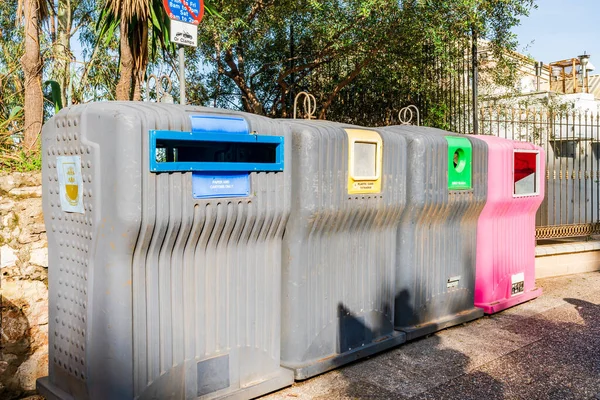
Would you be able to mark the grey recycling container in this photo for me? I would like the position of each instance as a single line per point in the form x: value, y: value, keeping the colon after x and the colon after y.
x: 348, y: 191
x: 437, y: 234
x: 165, y: 225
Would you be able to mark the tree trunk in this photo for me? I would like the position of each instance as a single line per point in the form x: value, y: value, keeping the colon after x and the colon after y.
x: 250, y: 101
x: 53, y: 28
x: 140, y: 66
x: 124, y: 87
x: 63, y: 49
x: 137, y: 88
x: 32, y: 71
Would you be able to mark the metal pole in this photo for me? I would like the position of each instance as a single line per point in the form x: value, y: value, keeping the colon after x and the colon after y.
x: 181, y: 75
x: 292, y: 55
x: 538, y: 72
x: 475, y: 78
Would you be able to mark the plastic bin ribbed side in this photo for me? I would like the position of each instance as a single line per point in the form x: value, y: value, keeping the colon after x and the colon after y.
x: 339, y: 252
x: 506, y: 229
x: 435, y: 268
x: 153, y: 293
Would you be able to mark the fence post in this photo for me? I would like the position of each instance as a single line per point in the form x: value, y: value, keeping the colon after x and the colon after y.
x: 475, y: 79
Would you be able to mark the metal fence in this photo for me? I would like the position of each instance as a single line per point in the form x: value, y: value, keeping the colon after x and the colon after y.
x: 444, y: 95
x: 572, y: 144
x: 446, y: 99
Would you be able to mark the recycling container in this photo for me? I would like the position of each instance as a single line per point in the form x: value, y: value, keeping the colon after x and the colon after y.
x: 165, y: 225
x: 435, y: 261
x: 348, y: 190
x: 505, y: 274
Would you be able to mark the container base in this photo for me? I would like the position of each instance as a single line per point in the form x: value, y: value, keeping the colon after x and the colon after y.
x: 49, y: 391
x: 337, y: 360
x: 416, y: 331
x: 280, y: 380
x: 491, y: 308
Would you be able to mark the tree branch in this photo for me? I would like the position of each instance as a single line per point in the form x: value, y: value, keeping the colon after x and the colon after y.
x: 349, y: 78
x: 257, y: 8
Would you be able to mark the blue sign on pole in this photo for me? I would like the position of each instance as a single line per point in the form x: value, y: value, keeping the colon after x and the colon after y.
x: 188, y: 11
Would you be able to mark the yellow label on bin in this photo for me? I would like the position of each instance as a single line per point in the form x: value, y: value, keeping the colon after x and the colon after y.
x: 71, y: 183
x: 365, y: 161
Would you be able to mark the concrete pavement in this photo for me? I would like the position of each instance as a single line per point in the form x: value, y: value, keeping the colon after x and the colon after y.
x: 548, y: 348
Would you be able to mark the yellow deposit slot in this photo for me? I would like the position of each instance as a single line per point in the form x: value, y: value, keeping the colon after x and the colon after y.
x: 365, y: 161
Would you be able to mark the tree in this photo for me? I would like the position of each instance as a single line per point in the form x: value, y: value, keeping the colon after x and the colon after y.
x: 135, y: 19
x: 251, y: 44
x: 11, y: 81
x: 67, y: 17
x: 132, y: 19
x: 33, y: 12
x: 362, y: 59
x: 100, y: 62
x: 265, y: 51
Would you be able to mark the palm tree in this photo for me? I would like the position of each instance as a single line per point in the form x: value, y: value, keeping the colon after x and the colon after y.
x: 132, y: 17
x: 135, y: 18
x: 32, y: 13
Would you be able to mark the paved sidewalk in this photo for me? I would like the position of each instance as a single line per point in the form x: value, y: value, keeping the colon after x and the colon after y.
x: 548, y: 348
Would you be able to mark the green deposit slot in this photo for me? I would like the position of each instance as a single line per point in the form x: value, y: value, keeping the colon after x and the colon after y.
x: 460, y: 162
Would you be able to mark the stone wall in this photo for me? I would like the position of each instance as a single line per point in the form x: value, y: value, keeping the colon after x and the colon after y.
x: 24, y: 285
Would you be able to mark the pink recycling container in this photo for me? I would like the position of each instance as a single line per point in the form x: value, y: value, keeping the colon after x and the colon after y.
x: 505, y: 264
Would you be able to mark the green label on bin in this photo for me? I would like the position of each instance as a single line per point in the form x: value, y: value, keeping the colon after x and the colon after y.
x: 460, y: 160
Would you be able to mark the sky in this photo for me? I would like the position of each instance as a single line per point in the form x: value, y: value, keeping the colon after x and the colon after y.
x: 561, y: 29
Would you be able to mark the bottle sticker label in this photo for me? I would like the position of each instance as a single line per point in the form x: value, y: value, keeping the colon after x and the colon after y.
x: 71, y: 184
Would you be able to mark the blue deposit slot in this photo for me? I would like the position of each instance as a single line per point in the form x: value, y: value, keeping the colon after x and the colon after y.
x: 221, y: 153
x: 202, y: 151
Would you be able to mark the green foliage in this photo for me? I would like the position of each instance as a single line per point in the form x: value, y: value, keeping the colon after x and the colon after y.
x: 11, y: 50
x: 437, y: 116
x: 9, y: 130
x: 362, y: 59
x: 148, y: 25
x: 11, y: 83
x: 97, y: 76
x: 54, y: 96
x: 17, y: 160
x: 354, y: 56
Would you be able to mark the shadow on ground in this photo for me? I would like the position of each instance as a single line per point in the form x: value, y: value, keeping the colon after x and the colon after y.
x: 548, y: 348
x: 409, y: 370
x: 400, y: 373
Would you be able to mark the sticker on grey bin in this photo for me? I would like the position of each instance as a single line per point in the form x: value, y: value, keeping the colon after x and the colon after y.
x: 453, y: 281
x: 70, y: 183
